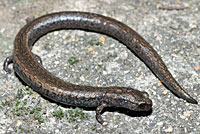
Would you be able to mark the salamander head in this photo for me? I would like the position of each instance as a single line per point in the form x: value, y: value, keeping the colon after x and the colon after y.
x: 131, y: 99
x: 137, y: 100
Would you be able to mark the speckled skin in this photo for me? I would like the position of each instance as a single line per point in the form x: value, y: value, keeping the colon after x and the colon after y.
x: 33, y: 74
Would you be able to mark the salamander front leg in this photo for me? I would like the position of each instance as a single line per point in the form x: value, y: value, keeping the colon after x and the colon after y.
x: 98, y: 114
x: 7, y: 61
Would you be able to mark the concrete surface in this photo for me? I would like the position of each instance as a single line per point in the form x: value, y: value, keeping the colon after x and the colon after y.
x: 175, y: 34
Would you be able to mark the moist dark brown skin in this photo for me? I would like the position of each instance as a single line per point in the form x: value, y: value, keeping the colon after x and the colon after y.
x: 33, y: 74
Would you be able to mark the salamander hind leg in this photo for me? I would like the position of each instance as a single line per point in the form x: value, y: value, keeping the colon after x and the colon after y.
x: 98, y: 114
x: 6, y: 63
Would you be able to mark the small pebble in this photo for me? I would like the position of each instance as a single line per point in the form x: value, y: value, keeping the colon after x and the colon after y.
x: 57, y: 131
x: 197, y: 68
x: 55, y: 33
x: 18, y: 123
x: 110, y: 66
x: 169, y: 129
x: 124, y: 55
x: 165, y: 91
x: 82, y: 78
x: 160, y: 123
x: 102, y: 40
x: 185, y: 114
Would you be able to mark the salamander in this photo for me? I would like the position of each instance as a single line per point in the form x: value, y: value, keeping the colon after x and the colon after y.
x: 26, y: 65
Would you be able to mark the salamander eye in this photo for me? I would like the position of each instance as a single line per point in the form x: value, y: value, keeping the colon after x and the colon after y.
x: 142, y: 105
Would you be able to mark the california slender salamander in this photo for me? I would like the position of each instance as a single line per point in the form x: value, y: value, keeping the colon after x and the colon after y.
x: 32, y: 73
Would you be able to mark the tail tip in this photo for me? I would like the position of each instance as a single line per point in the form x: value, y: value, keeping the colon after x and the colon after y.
x: 191, y: 100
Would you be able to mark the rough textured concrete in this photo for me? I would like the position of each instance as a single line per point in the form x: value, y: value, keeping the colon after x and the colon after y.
x: 175, y: 34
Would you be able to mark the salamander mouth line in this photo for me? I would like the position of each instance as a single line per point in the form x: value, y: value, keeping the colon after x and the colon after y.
x: 26, y: 64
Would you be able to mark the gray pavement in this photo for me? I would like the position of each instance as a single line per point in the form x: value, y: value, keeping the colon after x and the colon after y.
x: 175, y: 34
